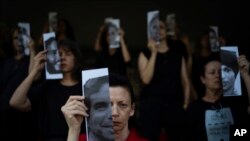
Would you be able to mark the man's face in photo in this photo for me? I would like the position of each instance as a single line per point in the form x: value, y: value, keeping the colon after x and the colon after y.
x: 100, y: 118
x: 53, y: 55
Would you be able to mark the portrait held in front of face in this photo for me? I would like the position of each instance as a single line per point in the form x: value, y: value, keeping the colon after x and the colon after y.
x: 53, y: 21
x: 153, y: 26
x: 230, y: 71
x: 113, y: 33
x: 52, y: 66
x: 214, y: 38
x: 170, y: 21
x: 24, y: 36
x: 99, y: 125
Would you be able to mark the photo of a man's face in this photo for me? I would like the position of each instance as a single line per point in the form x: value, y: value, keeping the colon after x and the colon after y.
x: 53, y: 61
x: 153, y: 26
x: 230, y: 72
x: 99, y: 123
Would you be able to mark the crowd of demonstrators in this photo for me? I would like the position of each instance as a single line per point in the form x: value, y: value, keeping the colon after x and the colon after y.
x: 180, y: 88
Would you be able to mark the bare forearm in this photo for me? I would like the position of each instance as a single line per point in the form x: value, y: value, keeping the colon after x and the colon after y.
x: 97, y: 46
x: 148, y: 72
x: 73, y: 134
x: 125, y: 52
x: 185, y: 83
x: 186, y: 87
x: 32, y: 55
x: 246, y: 79
x: 19, y: 99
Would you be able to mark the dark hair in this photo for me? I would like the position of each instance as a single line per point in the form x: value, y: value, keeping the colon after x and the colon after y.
x: 213, y: 57
x: 120, y: 80
x: 68, y: 29
x: 103, y: 39
x: 229, y: 59
x: 49, y: 41
x: 72, y: 46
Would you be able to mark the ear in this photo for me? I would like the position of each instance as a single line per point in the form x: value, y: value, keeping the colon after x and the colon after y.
x: 132, y: 111
x: 202, y: 79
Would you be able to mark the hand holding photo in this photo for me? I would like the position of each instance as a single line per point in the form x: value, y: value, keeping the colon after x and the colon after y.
x: 230, y: 71
x: 53, y: 64
x: 153, y: 26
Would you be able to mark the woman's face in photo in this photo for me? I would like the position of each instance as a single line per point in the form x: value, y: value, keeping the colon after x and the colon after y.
x: 112, y: 35
x: 228, y: 77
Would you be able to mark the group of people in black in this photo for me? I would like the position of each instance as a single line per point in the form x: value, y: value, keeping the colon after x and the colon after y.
x: 178, y: 93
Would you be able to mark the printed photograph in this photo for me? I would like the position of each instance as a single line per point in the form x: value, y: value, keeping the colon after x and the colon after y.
x: 53, y: 17
x: 52, y: 65
x: 214, y: 38
x: 153, y: 26
x: 230, y: 71
x: 171, y: 22
x: 113, y: 32
x: 99, y: 125
x: 24, y: 36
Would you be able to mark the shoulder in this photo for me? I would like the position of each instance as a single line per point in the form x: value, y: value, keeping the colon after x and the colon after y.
x: 197, y: 105
x: 146, y: 52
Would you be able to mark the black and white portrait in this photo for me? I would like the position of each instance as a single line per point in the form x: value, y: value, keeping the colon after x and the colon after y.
x: 153, y: 26
x: 99, y: 125
x: 113, y: 33
x: 230, y: 71
x: 53, y: 17
x: 24, y: 36
x: 171, y: 23
x: 53, y: 68
x: 214, y: 38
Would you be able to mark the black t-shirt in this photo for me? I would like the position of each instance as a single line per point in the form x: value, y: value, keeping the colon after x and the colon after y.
x: 196, y: 115
x: 48, y: 98
x: 22, y: 124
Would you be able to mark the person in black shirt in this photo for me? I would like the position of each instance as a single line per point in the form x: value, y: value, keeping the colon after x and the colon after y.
x: 47, y: 97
